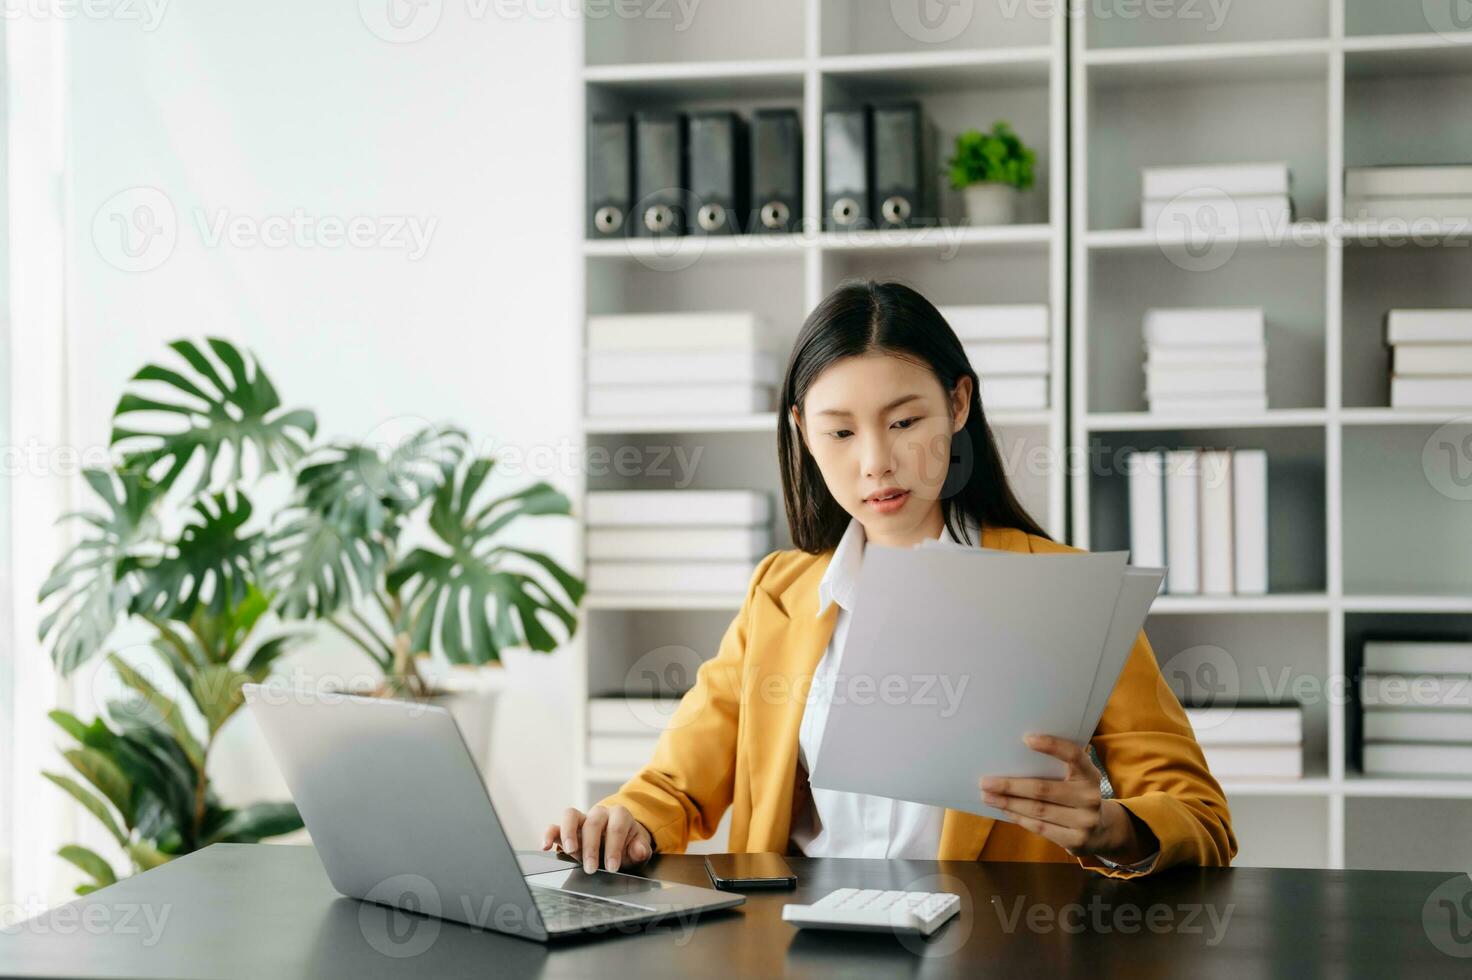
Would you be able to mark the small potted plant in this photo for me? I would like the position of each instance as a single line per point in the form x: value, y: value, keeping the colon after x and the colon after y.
x: 991, y: 169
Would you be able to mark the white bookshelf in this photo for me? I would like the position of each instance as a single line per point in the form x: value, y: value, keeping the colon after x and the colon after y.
x: 805, y: 55
x: 1361, y: 540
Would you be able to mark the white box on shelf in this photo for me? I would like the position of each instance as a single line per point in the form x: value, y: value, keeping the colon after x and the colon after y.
x: 645, y: 717
x: 1445, y: 326
x: 622, y: 367
x: 1014, y: 392
x: 1418, y: 657
x: 1408, y: 208
x: 1146, y: 471
x: 1217, y: 524
x: 1254, y: 761
x: 1420, y: 692
x: 1226, y: 178
x: 1244, y: 725
x: 1209, y: 404
x: 1171, y: 379
x: 1008, y: 357
x: 1410, y: 759
x: 1431, y: 359
x: 1204, y: 327
x: 1250, y: 521
x: 738, y: 330
x: 1395, y: 725
x: 653, y: 399
x: 1217, y: 213
x: 1420, y: 181
x: 1222, y: 355
x: 664, y: 508
x: 1182, y: 521
x: 1017, y: 321
x: 676, y: 543
x: 674, y: 577
x: 1431, y: 392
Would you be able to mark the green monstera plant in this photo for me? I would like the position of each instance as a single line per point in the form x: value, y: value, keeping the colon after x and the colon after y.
x: 344, y: 556
x: 399, y: 548
x: 211, y: 426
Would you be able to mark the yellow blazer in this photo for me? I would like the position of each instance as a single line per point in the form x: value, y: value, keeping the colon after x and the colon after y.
x: 732, y: 742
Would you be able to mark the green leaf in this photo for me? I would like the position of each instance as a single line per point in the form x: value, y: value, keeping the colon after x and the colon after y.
x: 90, y: 862
x: 216, y: 691
x: 104, y: 774
x: 217, y: 417
x: 214, y: 565
x: 456, y: 598
x: 258, y: 667
x: 93, y: 805
x: 145, y: 855
x: 250, y: 824
x: 93, y: 583
x: 997, y: 157
x: 165, y: 708
x: 69, y: 723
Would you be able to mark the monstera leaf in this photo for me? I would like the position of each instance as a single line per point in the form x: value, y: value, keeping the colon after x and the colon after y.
x: 218, y: 415
x: 93, y: 583
x: 213, y: 556
x: 332, y: 545
x: 458, y: 597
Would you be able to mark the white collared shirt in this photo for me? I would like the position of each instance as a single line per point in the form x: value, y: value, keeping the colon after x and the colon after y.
x: 856, y: 824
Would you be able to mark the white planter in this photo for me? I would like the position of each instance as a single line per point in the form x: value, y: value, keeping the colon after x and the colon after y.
x: 991, y: 204
x: 470, y: 695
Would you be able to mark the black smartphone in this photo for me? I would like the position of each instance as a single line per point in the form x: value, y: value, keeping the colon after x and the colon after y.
x: 733, y: 872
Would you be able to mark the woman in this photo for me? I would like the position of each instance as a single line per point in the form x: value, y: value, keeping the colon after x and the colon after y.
x: 886, y: 442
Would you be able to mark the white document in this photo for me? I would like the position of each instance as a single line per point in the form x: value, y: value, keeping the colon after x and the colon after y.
x: 952, y: 656
x: 1140, y: 587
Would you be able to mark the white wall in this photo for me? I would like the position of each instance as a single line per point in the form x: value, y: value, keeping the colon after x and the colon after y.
x: 256, y: 110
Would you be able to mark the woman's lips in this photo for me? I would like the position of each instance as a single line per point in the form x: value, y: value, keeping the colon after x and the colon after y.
x: 889, y: 505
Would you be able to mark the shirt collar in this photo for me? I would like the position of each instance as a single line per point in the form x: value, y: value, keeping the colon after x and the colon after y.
x: 841, y: 579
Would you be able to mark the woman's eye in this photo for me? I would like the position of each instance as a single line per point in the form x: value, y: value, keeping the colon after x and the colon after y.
x: 840, y: 433
x: 906, y: 423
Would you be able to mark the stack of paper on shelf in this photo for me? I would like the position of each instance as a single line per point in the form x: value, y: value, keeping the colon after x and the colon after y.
x: 1408, y: 193
x: 1416, y: 701
x: 658, y: 542
x: 1191, y: 201
x: 1203, y: 515
x: 680, y: 364
x: 622, y: 732
x: 1430, y: 358
x: 1008, y: 347
x: 1210, y: 361
x: 1247, y: 741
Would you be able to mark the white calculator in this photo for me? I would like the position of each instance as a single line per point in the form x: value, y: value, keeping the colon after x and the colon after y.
x: 875, y: 910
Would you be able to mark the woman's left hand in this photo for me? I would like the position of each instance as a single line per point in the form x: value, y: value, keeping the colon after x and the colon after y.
x: 1070, y: 812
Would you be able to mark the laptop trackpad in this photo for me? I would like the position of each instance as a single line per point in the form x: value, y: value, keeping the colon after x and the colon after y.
x: 599, y: 884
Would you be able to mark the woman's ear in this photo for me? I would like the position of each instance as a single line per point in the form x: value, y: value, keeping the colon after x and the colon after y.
x: 961, y: 403
x: 797, y: 424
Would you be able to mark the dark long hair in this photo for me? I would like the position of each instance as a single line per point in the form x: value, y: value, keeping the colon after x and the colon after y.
x: 866, y: 315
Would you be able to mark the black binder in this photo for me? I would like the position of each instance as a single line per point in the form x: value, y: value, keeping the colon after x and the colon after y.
x: 610, y: 176
x: 776, y: 170
x: 847, y: 169
x: 719, y: 179
x: 904, y: 187
x: 660, y: 174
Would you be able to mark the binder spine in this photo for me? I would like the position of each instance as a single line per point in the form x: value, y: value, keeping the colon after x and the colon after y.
x: 776, y: 171
x: 847, y: 169
x: 661, y: 178
x: 610, y: 176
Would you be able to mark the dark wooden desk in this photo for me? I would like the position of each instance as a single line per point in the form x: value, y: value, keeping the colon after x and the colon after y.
x: 251, y: 910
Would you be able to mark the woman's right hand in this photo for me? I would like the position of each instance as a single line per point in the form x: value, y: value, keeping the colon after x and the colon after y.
x: 612, y: 832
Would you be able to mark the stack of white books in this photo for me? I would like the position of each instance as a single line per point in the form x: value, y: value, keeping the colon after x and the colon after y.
x: 1247, y: 741
x: 659, y: 542
x: 680, y: 364
x: 1416, y: 701
x: 1201, y: 513
x: 622, y: 732
x: 1206, y: 360
x: 1240, y: 197
x: 1430, y: 358
x: 1008, y: 347
x: 1408, y: 193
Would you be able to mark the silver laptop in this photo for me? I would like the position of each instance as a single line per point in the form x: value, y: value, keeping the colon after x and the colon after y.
x: 400, y: 816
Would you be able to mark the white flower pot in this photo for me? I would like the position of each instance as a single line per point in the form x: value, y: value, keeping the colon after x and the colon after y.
x: 470, y: 694
x: 991, y: 204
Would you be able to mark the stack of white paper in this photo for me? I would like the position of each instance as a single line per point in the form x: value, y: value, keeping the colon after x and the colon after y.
x: 1416, y: 699
x: 1408, y: 193
x: 1431, y: 358
x: 680, y: 364
x: 676, y: 541
x: 1198, y: 200
x: 1245, y: 741
x: 970, y: 649
x: 1008, y: 347
x: 1203, y: 513
x: 1206, y: 361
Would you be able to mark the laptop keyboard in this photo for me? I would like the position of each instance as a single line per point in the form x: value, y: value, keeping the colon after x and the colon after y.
x: 562, y: 911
